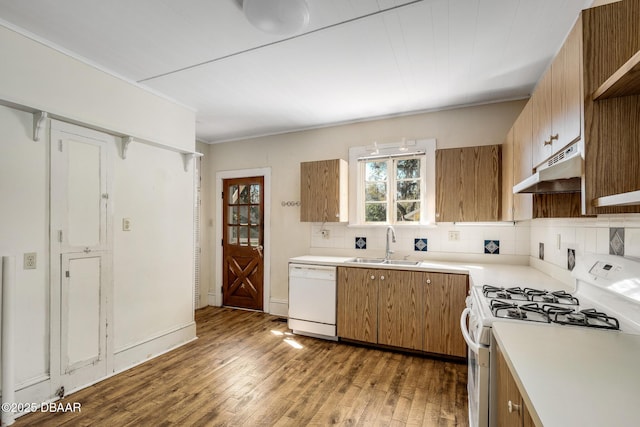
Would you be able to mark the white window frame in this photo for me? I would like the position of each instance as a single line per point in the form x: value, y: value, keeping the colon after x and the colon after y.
x: 398, y: 149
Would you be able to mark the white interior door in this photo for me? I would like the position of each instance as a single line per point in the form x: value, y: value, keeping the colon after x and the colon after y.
x: 80, y: 254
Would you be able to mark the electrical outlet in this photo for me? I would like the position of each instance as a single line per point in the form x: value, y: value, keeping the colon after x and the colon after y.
x: 30, y: 261
x: 325, y: 234
x: 454, y: 235
x: 126, y: 224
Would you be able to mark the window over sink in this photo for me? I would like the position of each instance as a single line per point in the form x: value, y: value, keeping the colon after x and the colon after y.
x: 394, y: 183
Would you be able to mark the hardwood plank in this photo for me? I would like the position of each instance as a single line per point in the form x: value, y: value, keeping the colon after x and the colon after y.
x: 240, y: 373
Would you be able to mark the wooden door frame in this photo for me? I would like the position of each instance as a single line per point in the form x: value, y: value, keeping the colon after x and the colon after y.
x: 243, y: 173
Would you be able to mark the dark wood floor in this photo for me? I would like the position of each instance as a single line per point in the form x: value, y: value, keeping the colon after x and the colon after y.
x: 241, y: 371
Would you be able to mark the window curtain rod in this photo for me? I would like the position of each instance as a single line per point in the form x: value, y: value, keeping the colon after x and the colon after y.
x: 391, y: 156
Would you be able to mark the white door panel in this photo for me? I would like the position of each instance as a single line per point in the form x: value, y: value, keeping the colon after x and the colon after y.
x: 83, y: 319
x: 80, y: 255
x: 84, y: 197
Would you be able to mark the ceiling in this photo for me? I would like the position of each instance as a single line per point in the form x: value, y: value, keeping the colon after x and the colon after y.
x: 357, y: 59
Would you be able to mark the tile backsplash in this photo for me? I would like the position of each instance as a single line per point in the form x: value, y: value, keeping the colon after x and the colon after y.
x: 559, y: 242
x: 500, y: 239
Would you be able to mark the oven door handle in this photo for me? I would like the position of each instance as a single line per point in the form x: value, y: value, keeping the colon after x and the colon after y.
x: 473, y: 346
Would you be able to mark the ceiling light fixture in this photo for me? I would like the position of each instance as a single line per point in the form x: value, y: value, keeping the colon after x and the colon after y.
x: 279, y: 17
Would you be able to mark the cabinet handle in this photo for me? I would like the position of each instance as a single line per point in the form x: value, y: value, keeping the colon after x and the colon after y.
x: 428, y: 281
x: 513, y: 407
x: 373, y: 277
x: 381, y: 277
x: 547, y: 142
x: 554, y: 137
x: 337, y: 215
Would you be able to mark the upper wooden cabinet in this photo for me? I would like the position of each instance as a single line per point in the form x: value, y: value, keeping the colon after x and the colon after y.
x: 468, y: 184
x: 323, y: 191
x: 557, y: 102
x: 522, y: 161
x: 612, y: 124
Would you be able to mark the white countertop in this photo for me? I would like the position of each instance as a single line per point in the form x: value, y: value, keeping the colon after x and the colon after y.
x: 479, y: 274
x: 571, y: 376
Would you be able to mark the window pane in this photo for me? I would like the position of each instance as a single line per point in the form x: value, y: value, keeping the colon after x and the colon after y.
x: 255, y: 236
x: 375, y: 212
x: 376, y: 171
x: 375, y: 192
x: 255, y: 215
x: 244, y: 215
x: 244, y: 194
x: 232, y: 235
x: 233, y: 215
x: 408, y: 190
x: 233, y: 194
x: 255, y: 194
x: 244, y: 236
x: 408, y: 211
x: 409, y: 168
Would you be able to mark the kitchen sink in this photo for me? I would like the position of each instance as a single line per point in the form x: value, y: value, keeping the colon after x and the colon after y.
x: 400, y: 262
x: 367, y: 260
x: 383, y: 261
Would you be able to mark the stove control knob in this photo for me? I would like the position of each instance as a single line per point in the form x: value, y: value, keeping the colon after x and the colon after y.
x: 513, y: 407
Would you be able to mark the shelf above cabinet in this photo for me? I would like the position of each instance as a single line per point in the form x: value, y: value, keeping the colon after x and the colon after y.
x: 625, y: 81
x: 624, y: 199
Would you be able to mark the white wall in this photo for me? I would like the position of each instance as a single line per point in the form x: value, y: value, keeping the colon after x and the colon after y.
x: 152, y: 263
x: 479, y: 125
x: 24, y: 218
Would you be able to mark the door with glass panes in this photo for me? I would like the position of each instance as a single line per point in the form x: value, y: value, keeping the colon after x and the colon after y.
x: 243, y: 261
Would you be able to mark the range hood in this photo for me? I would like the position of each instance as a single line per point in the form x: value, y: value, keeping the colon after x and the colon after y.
x: 561, y: 174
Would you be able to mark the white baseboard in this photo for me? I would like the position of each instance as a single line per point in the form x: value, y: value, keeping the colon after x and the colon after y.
x: 141, y: 352
x: 279, y: 307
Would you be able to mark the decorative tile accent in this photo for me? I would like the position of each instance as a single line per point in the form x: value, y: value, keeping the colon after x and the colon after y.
x: 616, y: 241
x: 571, y: 259
x: 541, y: 251
x: 361, y: 243
x: 492, y: 247
x: 420, y: 245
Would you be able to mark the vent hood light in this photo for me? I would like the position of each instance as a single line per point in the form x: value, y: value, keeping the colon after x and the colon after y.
x: 561, y: 174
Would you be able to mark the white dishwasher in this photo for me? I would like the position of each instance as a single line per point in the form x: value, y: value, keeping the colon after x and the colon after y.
x: 312, y: 300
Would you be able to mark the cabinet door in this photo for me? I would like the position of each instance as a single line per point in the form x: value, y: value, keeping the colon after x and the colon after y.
x: 323, y: 191
x: 569, y: 127
x: 508, y: 404
x: 522, y: 161
x: 444, y: 301
x: 358, y: 304
x: 468, y: 184
x: 541, y: 115
x: 400, y: 309
x: 507, y: 177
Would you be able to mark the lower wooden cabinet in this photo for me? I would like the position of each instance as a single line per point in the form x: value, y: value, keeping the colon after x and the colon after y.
x: 444, y: 300
x: 409, y: 309
x: 400, y: 302
x: 358, y: 304
x: 510, y: 408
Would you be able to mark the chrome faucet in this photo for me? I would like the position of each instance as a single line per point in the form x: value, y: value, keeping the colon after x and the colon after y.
x: 388, y: 251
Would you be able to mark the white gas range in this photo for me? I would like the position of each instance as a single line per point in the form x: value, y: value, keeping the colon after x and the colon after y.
x: 606, y: 296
